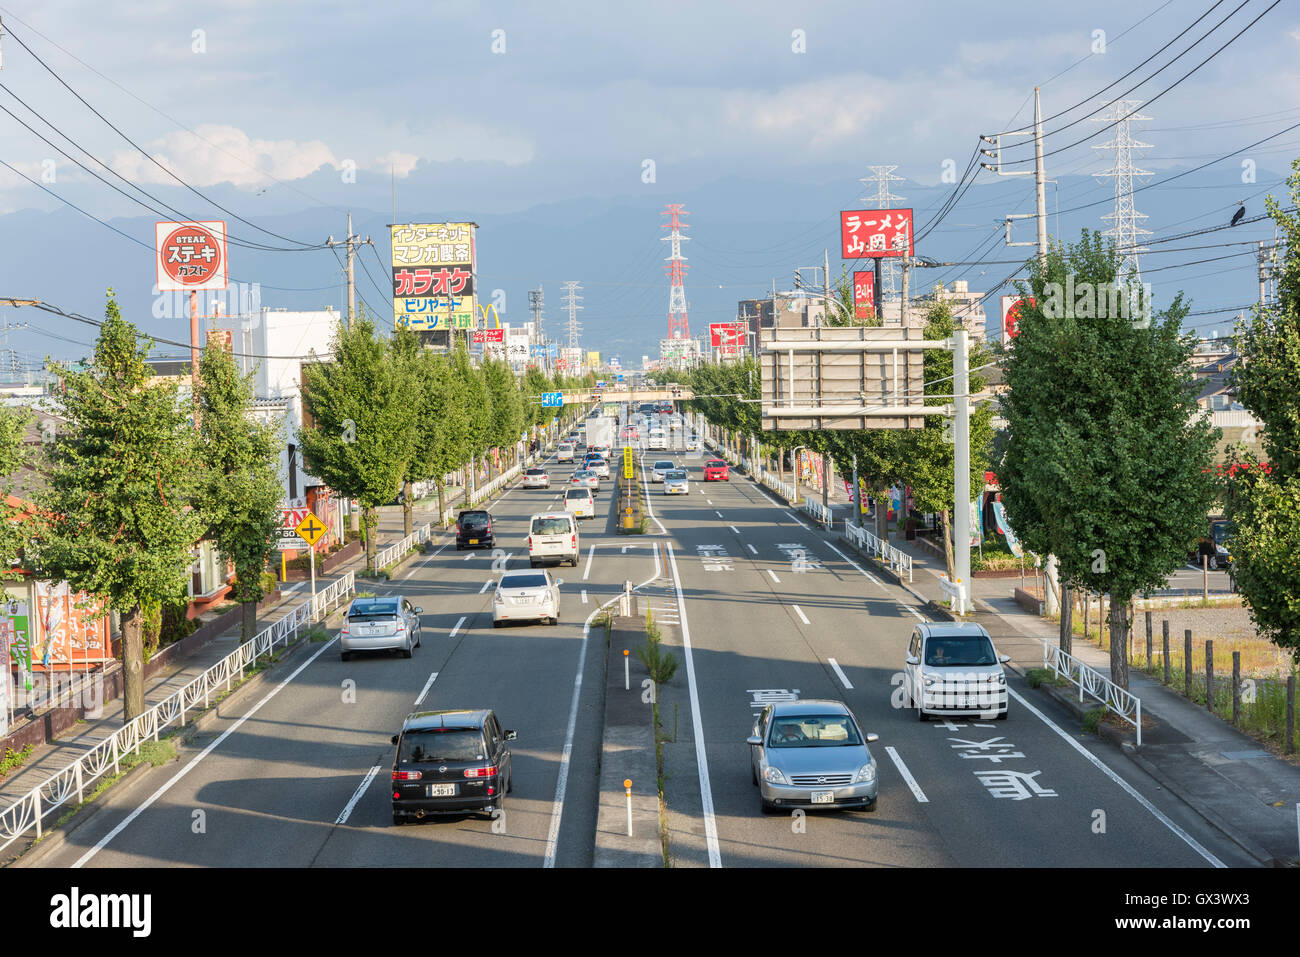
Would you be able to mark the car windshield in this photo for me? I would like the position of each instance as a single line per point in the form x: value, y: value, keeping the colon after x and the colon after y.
x: 534, y: 472
x: 474, y: 518
x: 813, y: 731
x: 675, y: 475
x: 665, y: 464
x: 1221, y: 532
x: 442, y: 744
x: 584, y: 474
x: 960, y: 650
x: 368, y: 609
x: 523, y: 581
x: 551, y: 526
x: 581, y: 493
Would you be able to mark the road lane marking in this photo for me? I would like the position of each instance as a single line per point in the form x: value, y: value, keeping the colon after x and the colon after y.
x: 734, y: 529
x: 1128, y: 788
x: 649, y: 505
x: 907, y: 776
x: 701, y: 757
x: 167, y: 785
x: 774, y: 578
x: 844, y: 679
x: 717, y: 513
x: 365, y: 783
x: 919, y: 616
x: 802, y: 617
x: 456, y: 628
x: 486, y: 585
x: 584, y: 596
x: 751, y: 548
x: 853, y: 563
x: 709, y: 501
x: 425, y: 690
x: 587, y: 570
x: 469, y: 556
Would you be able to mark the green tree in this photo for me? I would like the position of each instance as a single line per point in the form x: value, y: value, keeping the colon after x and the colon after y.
x: 241, y: 486
x: 1106, y: 463
x: 13, y: 456
x: 364, y: 422
x: 474, y: 403
x: 507, y: 407
x: 118, y: 521
x: 841, y: 310
x: 1264, y: 505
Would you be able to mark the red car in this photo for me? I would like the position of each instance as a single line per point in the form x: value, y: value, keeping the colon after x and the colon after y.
x: 716, y: 470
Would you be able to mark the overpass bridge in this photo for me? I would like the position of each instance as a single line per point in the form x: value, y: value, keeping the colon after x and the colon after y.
x: 627, y: 395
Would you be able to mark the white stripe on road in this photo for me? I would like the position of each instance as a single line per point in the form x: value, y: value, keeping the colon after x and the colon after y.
x: 774, y: 578
x: 920, y: 617
x: 486, y: 585
x: 149, y: 801
x: 907, y: 776
x: 584, y: 596
x: 701, y: 757
x: 469, y: 556
x: 649, y: 505
x: 1128, y: 788
x: 587, y: 570
x: 365, y: 783
x: 425, y: 690
x: 709, y: 501
x: 734, y: 529
x: 802, y: 617
x: 292, y: 588
x: 844, y: 679
x: 456, y: 628
x: 751, y: 548
x: 717, y: 513
x: 853, y: 563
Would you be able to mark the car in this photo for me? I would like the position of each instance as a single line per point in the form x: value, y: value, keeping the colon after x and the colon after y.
x: 811, y: 754
x: 630, y: 433
x: 552, y: 535
x: 526, y: 596
x: 586, y: 478
x: 474, y: 529
x: 692, y: 443
x: 952, y: 669
x: 451, y: 762
x: 661, y: 468
x: 565, y: 452
x: 657, y: 440
x: 597, y: 464
x: 675, y: 482
x: 675, y: 422
x: 580, y: 502
x: 380, y: 624
x: 536, y: 478
x: 717, y: 470
x: 1214, y: 546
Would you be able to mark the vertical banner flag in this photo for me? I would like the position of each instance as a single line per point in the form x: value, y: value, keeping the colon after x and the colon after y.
x: 17, y: 637
x: 976, y: 522
x: 434, y: 269
x: 864, y: 294
x: 1000, y: 518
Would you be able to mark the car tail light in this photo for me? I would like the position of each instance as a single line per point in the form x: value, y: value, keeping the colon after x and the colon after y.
x: 573, y: 540
x: 401, y: 625
x: 397, y: 795
x: 488, y: 772
x: 406, y: 775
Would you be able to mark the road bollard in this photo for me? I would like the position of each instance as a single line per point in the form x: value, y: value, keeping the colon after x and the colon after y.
x: 627, y: 681
x: 627, y: 785
x: 1150, y: 662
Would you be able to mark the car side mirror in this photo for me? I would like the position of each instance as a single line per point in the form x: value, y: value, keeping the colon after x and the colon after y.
x: 512, y: 735
x: 559, y: 581
x: 419, y: 611
x: 754, y: 739
x: 913, y: 660
x: 394, y: 739
x: 872, y: 738
x: 1004, y: 658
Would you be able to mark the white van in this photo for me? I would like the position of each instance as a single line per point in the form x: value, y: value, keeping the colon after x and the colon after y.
x: 657, y: 440
x: 553, y: 536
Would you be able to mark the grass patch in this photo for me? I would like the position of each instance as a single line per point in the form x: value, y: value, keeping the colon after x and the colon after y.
x: 1045, y: 676
x: 316, y: 634
x: 156, y: 753
x: 14, y: 759
x: 1093, y: 719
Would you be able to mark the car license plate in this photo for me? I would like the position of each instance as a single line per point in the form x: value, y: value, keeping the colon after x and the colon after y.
x: 823, y: 797
x: 440, y: 790
x: 473, y: 541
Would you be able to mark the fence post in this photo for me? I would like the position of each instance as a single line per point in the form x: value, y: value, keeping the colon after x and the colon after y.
x: 1236, y: 687
x: 1187, y: 664
x: 1209, y: 675
x: 1164, y: 648
x: 1150, y: 661
x: 1290, y: 713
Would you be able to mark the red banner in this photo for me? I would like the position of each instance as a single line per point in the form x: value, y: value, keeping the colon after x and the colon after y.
x: 727, y: 334
x: 489, y: 335
x: 864, y: 294
x: 874, y: 233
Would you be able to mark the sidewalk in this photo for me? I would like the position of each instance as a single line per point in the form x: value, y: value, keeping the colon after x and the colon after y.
x: 51, y: 757
x: 1222, y: 774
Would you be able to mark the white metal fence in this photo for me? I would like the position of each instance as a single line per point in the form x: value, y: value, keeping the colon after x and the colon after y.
x: 386, y: 556
x: 898, y: 560
x: 1092, y: 682
x: 27, y: 815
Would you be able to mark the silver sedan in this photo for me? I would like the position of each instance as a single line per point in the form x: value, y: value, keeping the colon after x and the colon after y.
x: 811, y: 754
x: 526, y: 596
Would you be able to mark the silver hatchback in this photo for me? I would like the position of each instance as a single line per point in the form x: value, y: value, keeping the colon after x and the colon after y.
x: 380, y: 624
x: 811, y: 754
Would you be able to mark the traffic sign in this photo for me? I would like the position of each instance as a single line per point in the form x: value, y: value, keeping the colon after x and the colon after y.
x: 554, y: 399
x: 627, y: 461
x: 310, y: 529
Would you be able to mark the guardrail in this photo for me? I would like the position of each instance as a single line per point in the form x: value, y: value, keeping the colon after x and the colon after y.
x: 487, y: 490
x: 29, y: 812
x: 818, y: 511
x: 1092, y: 682
x: 897, y: 559
x: 386, y: 556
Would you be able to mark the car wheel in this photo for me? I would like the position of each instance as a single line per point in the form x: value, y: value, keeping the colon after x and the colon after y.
x: 869, y: 808
x: 1003, y: 716
x: 460, y: 547
x: 531, y: 563
x: 496, y: 624
x: 921, y: 715
x: 398, y: 819
x: 764, y: 807
x: 406, y: 652
x: 753, y: 775
x: 510, y: 782
x: 345, y: 656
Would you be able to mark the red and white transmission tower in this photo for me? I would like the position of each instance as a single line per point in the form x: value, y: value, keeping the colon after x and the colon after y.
x: 678, y: 328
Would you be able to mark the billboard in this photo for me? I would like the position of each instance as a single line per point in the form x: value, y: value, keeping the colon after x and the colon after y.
x: 69, y: 631
x: 864, y: 294
x: 517, y: 346
x: 191, y: 256
x: 593, y: 360
x: 874, y: 233
x: 1011, y: 306
x: 728, y: 336
x: 434, y: 267
x: 489, y: 335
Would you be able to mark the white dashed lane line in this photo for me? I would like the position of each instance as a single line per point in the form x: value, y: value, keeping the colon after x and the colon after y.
x: 751, y: 548
x: 486, y: 585
x: 839, y: 673
x: 802, y: 617
x: 907, y: 776
x: 774, y: 578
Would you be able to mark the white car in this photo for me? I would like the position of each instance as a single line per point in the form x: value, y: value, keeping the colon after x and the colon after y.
x: 579, y: 502
x: 675, y: 483
x: 953, y: 670
x: 657, y: 440
x: 536, y: 478
x: 553, y: 536
x: 598, y: 465
x: 692, y: 443
x: 565, y: 452
x: 526, y: 596
x: 586, y: 478
x: 662, y: 468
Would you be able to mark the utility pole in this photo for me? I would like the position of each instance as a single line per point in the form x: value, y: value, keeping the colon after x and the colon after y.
x: 904, y: 314
x: 351, y: 244
x: 826, y: 286
x: 1039, y: 174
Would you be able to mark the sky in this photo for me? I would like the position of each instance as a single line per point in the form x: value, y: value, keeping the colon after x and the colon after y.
x: 569, y: 115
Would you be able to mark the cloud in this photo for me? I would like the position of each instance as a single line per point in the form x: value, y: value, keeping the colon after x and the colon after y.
x: 818, y: 113
x: 224, y: 154
x: 401, y: 164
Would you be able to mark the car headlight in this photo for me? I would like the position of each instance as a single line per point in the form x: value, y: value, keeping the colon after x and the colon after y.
x: 499, y: 598
x: 997, y: 679
x: 932, y: 680
x: 866, y: 774
x: 773, y: 776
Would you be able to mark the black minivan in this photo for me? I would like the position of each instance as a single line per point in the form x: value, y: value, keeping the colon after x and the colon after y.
x: 450, y: 762
x: 474, y: 529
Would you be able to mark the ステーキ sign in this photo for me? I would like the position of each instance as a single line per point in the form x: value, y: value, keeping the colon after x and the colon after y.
x: 191, y: 256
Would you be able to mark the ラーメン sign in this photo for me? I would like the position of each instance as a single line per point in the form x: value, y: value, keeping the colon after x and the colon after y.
x: 873, y: 233
x: 191, y: 256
